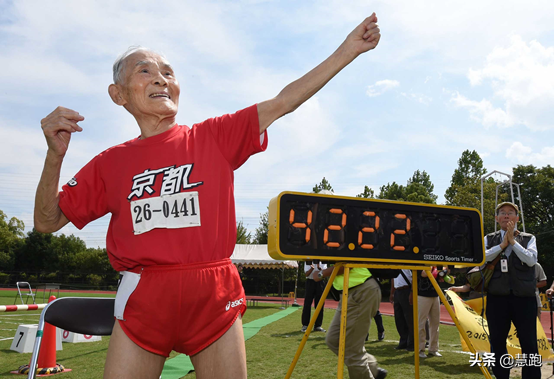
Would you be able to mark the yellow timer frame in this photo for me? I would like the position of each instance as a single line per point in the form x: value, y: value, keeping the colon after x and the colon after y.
x: 308, y: 226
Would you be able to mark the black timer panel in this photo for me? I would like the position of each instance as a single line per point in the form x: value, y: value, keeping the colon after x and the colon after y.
x: 377, y: 230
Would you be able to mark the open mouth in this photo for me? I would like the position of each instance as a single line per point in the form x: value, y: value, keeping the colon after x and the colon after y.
x: 160, y: 94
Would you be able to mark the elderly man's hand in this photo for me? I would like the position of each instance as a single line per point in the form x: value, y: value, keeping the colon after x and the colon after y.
x: 510, y: 232
x: 57, y: 128
x: 365, y: 37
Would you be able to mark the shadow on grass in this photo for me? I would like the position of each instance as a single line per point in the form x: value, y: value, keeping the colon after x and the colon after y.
x: 449, y: 363
x: 300, y: 334
x: 12, y: 352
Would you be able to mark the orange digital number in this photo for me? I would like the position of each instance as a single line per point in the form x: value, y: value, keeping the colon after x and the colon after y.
x: 399, y: 216
x: 368, y: 246
x: 334, y: 227
x: 302, y: 225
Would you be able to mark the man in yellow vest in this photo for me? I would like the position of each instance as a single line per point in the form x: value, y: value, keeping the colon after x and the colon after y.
x: 364, y: 296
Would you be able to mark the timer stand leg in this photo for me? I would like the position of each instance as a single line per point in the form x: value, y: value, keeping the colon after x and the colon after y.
x: 455, y: 319
x: 342, y: 337
x: 415, y: 321
x: 312, y: 321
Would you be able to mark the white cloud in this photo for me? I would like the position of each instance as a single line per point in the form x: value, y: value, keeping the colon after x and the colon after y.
x: 521, y: 154
x: 419, y: 97
x: 381, y: 87
x: 521, y: 76
x: 484, y: 112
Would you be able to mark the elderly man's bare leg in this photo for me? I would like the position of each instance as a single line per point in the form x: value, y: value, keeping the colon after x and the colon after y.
x: 225, y: 358
x: 127, y: 360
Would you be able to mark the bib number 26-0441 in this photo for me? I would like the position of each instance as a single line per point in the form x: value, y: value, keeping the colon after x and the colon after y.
x: 180, y: 210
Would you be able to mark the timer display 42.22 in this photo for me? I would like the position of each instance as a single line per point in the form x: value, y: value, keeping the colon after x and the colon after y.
x: 311, y: 226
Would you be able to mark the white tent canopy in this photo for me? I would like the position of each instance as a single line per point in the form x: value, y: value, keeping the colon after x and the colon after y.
x: 256, y: 256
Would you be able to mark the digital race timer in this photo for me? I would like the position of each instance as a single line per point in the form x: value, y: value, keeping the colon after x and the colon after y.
x: 306, y: 226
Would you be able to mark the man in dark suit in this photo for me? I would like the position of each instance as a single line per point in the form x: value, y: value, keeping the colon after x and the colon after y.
x: 511, y: 291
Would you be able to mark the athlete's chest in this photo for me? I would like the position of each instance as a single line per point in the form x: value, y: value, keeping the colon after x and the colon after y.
x: 165, y: 184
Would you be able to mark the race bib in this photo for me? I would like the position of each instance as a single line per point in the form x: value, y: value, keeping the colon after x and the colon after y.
x: 180, y: 210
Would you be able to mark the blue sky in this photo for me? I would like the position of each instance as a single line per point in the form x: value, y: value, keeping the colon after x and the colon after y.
x: 447, y: 76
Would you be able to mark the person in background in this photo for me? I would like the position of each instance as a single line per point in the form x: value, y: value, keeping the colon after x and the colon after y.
x: 240, y: 269
x: 379, y: 324
x: 540, y: 276
x: 511, y: 293
x: 378, y: 318
x: 364, y: 297
x: 429, y: 314
x: 401, y: 297
x: 550, y: 291
x: 314, y: 290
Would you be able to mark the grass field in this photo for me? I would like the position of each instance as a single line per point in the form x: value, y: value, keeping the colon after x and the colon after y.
x: 269, y: 353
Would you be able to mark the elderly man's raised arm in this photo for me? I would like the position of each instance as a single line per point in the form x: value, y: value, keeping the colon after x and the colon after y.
x: 57, y: 128
x: 363, y: 38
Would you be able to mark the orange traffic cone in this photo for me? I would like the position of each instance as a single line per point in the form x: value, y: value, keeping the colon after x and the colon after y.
x: 47, y: 353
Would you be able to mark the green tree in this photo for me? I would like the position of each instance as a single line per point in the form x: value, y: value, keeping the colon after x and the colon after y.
x: 324, y: 185
x: 260, y: 234
x: 469, y: 171
x: 422, y: 178
x: 419, y: 189
x: 392, y: 191
x: 66, y: 248
x: 465, y: 188
x: 367, y: 194
x: 537, y: 195
x: 537, y: 192
x: 243, y: 236
x: 11, y: 238
x: 37, y: 253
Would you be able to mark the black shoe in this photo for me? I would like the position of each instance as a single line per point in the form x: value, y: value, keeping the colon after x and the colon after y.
x: 319, y: 329
x: 400, y: 347
x: 410, y: 348
x: 380, y: 336
x: 381, y: 373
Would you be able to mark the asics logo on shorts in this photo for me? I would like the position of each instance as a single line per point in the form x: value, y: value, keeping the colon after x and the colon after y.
x: 233, y: 304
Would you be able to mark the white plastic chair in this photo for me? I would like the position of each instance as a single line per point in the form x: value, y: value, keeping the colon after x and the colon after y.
x: 30, y: 293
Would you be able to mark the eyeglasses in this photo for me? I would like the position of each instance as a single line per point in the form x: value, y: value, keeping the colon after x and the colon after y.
x: 507, y: 214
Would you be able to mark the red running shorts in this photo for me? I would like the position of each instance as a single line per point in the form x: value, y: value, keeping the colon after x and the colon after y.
x: 183, y: 307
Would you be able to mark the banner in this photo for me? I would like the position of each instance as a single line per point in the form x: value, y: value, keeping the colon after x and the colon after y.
x: 545, y: 303
x: 476, y: 328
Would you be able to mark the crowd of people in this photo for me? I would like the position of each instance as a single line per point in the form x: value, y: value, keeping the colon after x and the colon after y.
x: 512, y: 297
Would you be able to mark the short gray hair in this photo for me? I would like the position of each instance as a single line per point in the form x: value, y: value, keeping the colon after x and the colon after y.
x: 119, y: 62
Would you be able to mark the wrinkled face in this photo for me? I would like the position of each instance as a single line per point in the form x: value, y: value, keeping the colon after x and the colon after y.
x: 505, y: 215
x: 149, y: 85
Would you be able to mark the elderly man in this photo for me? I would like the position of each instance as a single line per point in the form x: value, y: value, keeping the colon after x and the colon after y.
x: 511, y: 291
x: 170, y: 194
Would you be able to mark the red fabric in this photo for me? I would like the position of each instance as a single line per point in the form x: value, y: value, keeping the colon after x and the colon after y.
x: 183, y: 308
x: 212, y: 150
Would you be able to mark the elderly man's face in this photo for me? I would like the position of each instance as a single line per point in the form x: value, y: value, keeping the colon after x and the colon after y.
x: 505, y: 215
x: 149, y: 86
